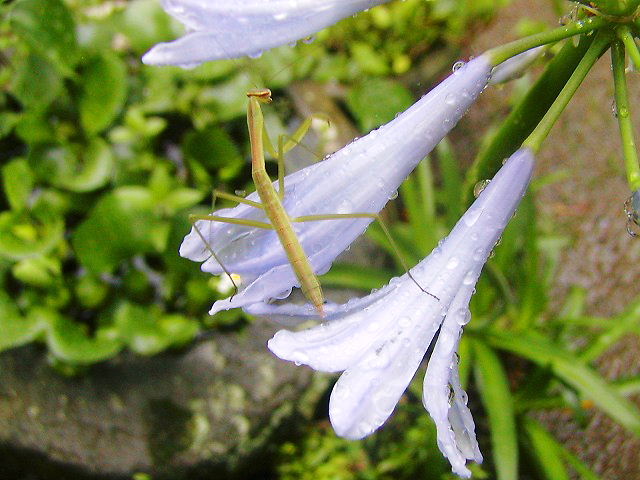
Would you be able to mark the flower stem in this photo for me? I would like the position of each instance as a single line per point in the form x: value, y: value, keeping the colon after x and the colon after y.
x: 624, y: 34
x: 595, y: 51
x: 629, y: 150
x: 499, y: 54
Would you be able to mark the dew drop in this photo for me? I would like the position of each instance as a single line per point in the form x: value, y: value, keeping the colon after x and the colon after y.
x: 469, y: 278
x: 471, y: 217
x: 453, y: 263
x: 257, y: 54
x: 451, y: 99
x: 394, y: 195
x: 457, y: 66
x: 479, y: 187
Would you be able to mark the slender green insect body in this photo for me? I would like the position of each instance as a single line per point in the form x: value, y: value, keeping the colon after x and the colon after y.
x: 272, y: 204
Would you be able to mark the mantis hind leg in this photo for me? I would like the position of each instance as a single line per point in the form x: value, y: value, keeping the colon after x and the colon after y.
x: 385, y: 229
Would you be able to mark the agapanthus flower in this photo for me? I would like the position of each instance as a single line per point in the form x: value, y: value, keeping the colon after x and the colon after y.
x: 380, y: 340
x: 232, y: 28
x: 359, y: 178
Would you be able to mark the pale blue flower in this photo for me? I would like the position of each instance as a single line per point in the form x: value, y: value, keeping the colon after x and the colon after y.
x: 359, y: 178
x: 220, y: 29
x: 380, y: 340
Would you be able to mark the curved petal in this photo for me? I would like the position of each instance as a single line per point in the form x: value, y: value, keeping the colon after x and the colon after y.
x: 442, y: 394
x: 231, y: 29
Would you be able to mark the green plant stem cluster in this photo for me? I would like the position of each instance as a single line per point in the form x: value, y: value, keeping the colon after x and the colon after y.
x: 614, y: 26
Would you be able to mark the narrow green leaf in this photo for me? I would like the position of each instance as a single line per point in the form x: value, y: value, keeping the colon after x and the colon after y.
x: 355, y: 276
x: 571, y: 371
x: 498, y: 402
x: 545, y: 451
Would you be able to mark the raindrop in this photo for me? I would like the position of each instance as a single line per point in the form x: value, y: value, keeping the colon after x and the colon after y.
x: 457, y: 66
x: 241, y: 193
x: 451, y: 99
x: 479, y: 187
x: 309, y: 39
x: 394, y: 195
x: 471, y: 217
x: 453, y: 263
x: 257, y: 54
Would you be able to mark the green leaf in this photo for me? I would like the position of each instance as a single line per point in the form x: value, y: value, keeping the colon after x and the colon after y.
x: 37, y: 83
x: 16, y: 330
x: 498, y: 402
x: 545, y: 451
x: 48, y: 28
x: 147, y: 333
x: 377, y: 101
x: 355, y: 276
x: 74, y: 167
x: 572, y: 371
x: 67, y: 340
x: 104, y: 90
x: 369, y: 60
x: 215, y: 150
x: 17, y: 180
x: 38, y: 272
x: 182, y: 198
x: 119, y: 226
x: 29, y: 234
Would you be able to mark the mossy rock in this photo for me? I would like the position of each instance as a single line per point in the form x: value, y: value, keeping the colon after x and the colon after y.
x: 217, y: 410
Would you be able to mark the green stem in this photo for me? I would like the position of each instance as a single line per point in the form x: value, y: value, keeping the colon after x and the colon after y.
x: 597, y: 48
x: 624, y: 34
x: 499, y: 54
x: 625, y: 124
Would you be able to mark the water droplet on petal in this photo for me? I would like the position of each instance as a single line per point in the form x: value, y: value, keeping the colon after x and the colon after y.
x: 479, y: 187
x: 453, y: 263
x: 457, y: 66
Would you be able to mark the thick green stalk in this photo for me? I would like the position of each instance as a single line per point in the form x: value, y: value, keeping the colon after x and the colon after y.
x: 625, y: 124
x: 526, y: 114
x: 539, y: 134
x: 499, y: 54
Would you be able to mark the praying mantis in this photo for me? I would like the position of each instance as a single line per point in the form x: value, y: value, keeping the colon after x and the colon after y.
x: 271, y: 202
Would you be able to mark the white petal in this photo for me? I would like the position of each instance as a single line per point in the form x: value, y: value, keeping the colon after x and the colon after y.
x: 231, y: 29
x: 455, y: 428
x: 366, y: 394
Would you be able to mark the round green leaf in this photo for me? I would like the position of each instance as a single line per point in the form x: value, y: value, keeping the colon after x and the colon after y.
x: 104, y: 89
